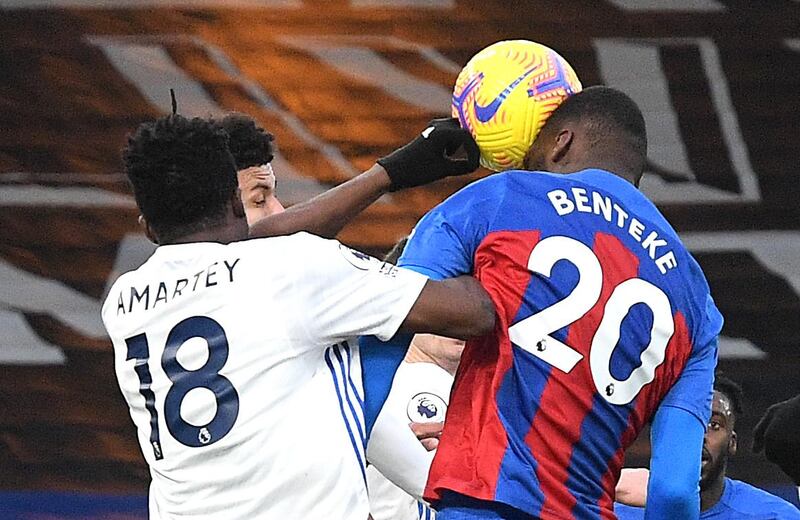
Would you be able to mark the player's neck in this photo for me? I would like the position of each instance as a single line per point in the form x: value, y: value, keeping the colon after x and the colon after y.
x: 620, y: 169
x: 710, y: 496
x: 223, y: 234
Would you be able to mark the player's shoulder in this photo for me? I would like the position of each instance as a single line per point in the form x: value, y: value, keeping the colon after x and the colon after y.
x: 307, y: 253
x: 114, y: 295
x: 747, y: 499
x: 295, y: 240
x: 484, y: 197
x: 287, y: 248
x: 521, y: 180
x: 490, y: 187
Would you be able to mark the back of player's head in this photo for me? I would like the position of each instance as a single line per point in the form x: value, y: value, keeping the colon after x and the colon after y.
x: 608, y: 113
x: 182, y: 173
x: 611, y: 126
x: 732, y: 391
x: 250, y: 144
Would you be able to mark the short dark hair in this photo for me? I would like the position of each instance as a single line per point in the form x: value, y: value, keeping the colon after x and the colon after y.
x: 732, y: 390
x: 250, y: 144
x: 182, y: 174
x: 608, y: 111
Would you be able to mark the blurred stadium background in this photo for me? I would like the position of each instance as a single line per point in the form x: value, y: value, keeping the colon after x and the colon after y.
x: 341, y: 82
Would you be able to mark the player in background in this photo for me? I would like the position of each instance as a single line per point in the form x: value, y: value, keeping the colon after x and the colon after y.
x: 217, y: 339
x: 253, y: 150
x: 605, y: 322
x: 418, y: 398
x: 419, y: 394
x: 778, y: 434
x: 721, y: 497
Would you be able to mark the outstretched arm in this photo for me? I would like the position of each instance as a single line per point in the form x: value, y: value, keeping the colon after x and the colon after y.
x: 432, y: 155
x: 326, y: 214
x: 454, y: 308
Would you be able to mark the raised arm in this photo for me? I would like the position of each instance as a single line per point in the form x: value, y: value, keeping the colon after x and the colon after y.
x: 326, y: 214
x: 431, y: 156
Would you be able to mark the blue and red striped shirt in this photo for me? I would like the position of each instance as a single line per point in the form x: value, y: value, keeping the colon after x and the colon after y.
x: 603, y: 316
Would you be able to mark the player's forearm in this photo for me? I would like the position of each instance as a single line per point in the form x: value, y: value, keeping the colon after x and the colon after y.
x: 326, y: 214
x: 632, y: 487
x: 673, y: 490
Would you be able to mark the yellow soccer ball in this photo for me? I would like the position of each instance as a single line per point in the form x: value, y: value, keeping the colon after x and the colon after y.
x: 506, y: 93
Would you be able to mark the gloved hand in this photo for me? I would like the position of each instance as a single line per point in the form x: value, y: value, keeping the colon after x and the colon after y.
x: 429, y: 158
x: 778, y: 434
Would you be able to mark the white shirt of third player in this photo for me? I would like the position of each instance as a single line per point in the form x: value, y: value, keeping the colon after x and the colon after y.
x: 420, y: 393
x: 226, y: 356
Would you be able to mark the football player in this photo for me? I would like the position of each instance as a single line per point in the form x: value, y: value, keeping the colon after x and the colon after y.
x: 218, y: 341
x: 391, y: 446
x: 420, y: 393
x: 253, y: 150
x: 605, y: 322
x: 723, y: 498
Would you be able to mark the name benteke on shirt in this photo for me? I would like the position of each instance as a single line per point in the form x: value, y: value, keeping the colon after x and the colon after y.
x: 138, y: 298
x: 602, y: 205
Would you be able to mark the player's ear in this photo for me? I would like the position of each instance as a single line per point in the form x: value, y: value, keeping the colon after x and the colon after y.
x: 561, y: 146
x: 236, y: 204
x: 148, y: 231
x: 733, y: 444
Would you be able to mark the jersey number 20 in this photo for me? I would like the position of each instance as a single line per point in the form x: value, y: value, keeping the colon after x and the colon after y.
x: 533, y: 334
x: 184, y: 381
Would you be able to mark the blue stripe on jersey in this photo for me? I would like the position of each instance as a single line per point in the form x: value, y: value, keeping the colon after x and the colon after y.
x: 353, y: 442
x: 522, y: 393
x: 589, y: 461
x: 345, y: 368
x: 350, y: 378
x: 516, y: 408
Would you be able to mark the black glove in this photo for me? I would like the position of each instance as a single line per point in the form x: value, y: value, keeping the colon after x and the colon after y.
x: 427, y: 158
x: 778, y: 434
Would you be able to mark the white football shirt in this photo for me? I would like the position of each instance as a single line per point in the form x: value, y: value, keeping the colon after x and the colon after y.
x: 420, y: 393
x: 226, y: 356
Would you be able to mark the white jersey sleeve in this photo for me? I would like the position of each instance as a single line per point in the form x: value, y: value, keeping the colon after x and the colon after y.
x: 344, y: 293
x: 420, y: 393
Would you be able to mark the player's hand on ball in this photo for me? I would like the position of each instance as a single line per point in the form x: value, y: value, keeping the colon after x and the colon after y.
x: 432, y: 155
x: 427, y: 433
x: 778, y: 434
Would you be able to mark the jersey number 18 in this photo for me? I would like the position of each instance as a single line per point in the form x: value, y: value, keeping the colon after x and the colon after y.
x: 184, y: 381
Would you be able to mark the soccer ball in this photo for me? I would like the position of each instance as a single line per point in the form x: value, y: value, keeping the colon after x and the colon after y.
x: 506, y: 93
